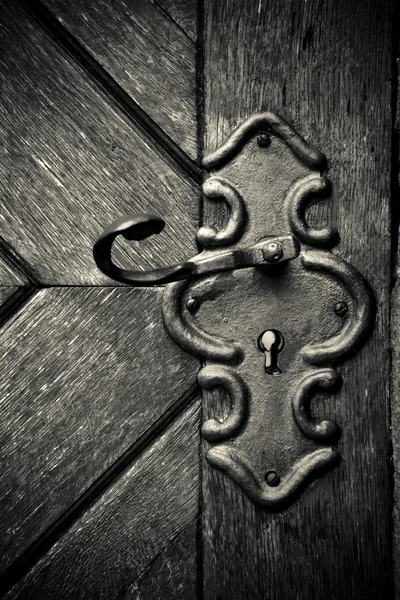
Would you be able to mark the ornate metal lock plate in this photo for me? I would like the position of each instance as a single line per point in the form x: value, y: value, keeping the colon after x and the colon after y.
x: 270, y: 335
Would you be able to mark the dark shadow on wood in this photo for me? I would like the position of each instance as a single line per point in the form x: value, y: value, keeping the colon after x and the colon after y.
x: 116, y: 93
x: 17, y: 263
x: 128, y: 593
x: 14, y: 303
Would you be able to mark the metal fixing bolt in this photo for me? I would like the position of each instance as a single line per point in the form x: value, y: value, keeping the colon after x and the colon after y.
x: 272, y: 478
x: 272, y: 252
x: 341, y: 308
x: 263, y: 140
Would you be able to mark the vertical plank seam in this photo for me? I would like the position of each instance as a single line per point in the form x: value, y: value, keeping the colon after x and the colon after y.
x: 116, y: 94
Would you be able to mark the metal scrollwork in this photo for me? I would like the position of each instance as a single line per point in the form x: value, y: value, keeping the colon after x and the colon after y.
x: 312, y: 366
x: 256, y: 320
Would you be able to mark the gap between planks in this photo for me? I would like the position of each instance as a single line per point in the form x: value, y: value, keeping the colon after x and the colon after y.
x: 171, y: 18
x: 119, y: 97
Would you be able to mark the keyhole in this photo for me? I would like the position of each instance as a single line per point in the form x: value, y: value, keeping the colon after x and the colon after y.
x: 271, y: 342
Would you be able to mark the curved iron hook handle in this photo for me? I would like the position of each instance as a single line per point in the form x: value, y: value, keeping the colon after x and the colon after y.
x: 269, y: 251
x: 137, y: 227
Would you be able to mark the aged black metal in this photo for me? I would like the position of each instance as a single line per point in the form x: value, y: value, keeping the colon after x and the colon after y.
x: 278, y: 319
x: 138, y: 227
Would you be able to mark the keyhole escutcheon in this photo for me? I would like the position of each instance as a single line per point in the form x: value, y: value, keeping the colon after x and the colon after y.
x: 271, y: 343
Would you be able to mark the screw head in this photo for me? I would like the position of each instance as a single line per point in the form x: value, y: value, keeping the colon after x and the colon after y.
x: 341, y: 308
x: 263, y: 140
x: 192, y: 305
x: 272, y: 252
x: 272, y: 478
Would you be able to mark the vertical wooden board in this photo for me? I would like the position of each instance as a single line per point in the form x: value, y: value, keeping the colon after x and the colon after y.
x: 71, y: 163
x: 395, y: 414
x: 314, y: 64
x: 127, y: 531
x: 146, y: 53
x: 86, y: 372
x: 395, y: 375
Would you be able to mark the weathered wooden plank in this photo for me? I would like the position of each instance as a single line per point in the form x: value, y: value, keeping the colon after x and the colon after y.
x: 146, y: 53
x: 303, y: 61
x: 70, y: 164
x: 395, y: 414
x: 130, y: 527
x: 85, y: 372
x: 184, y: 13
x: 395, y: 377
x: 9, y: 277
x: 172, y: 575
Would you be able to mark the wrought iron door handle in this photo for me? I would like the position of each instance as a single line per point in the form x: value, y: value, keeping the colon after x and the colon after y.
x: 267, y: 252
x: 272, y: 343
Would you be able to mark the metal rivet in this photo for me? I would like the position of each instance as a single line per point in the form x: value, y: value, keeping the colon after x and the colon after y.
x: 263, y: 140
x: 341, y: 308
x: 192, y: 305
x: 272, y: 478
x: 272, y: 252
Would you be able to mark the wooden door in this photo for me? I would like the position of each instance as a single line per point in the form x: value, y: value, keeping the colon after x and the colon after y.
x: 107, y: 109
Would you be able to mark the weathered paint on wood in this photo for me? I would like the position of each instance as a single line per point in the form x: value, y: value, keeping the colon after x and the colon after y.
x: 146, y: 53
x: 70, y: 164
x: 129, y: 532
x: 315, y: 65
x: 85, y: 372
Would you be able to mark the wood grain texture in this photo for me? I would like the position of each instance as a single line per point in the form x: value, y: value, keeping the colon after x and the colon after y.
x: 127, y: 531
x: 395, y: 414
x: 146, y: 53
x: 70, y: 164
x: 314, y: 64
x: 10, y: 276
x: 6, y: 293
x: 85, y: 372
x: 184, y: 13
x: 12, y: 301
x: 395, y: 351
x: 11, y: 272
x: 172, y: 575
